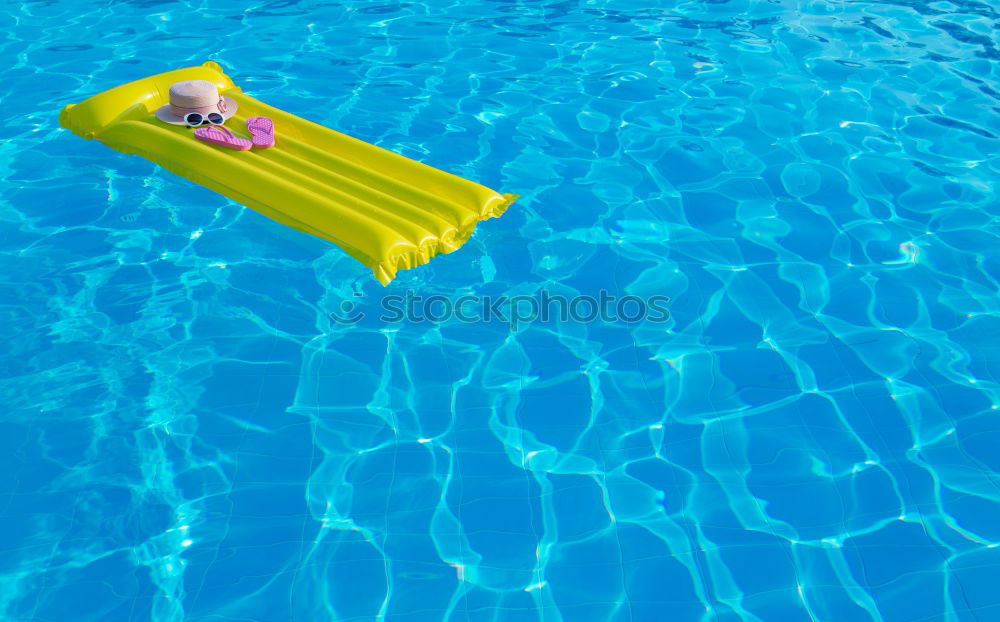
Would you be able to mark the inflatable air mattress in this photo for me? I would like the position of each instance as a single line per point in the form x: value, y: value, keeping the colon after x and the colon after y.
x: 385, y: 210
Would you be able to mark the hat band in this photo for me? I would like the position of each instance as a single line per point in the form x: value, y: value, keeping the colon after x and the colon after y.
x: 220, y: 105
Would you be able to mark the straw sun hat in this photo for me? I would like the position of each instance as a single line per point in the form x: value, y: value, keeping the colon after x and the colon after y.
x: 199, y: 96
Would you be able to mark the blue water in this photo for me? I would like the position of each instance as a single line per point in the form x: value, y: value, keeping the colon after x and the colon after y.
x: 186, y: 434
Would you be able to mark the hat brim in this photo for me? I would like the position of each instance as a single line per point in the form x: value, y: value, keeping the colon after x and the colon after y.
x: 163, y: 112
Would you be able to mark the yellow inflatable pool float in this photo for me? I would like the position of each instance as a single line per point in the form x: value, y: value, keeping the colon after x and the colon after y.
x: 387, y: 211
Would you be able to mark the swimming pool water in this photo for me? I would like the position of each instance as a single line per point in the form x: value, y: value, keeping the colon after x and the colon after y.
x: 187, y: 434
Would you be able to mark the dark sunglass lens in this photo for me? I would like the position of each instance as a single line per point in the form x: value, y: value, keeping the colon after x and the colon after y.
x: 215, y: 118
x: 193, y: 119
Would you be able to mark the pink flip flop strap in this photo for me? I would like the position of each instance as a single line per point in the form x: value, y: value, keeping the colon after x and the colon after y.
x: 218, y: 127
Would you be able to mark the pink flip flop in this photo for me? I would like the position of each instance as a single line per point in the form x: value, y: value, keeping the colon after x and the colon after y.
x: 221, y: 136
x: 262, y: 130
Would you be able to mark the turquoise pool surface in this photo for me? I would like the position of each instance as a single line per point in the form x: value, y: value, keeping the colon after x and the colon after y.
x: 188, y: 432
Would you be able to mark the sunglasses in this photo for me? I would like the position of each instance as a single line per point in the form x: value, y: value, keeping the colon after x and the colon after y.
x: 194, y: 119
